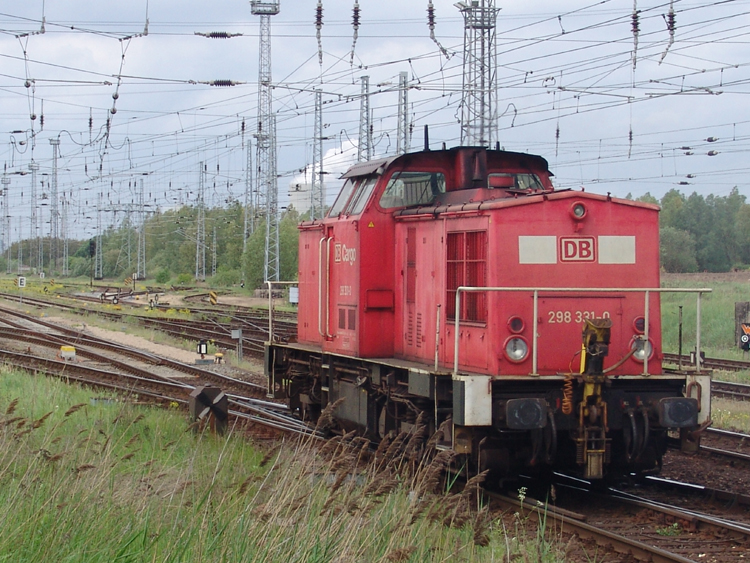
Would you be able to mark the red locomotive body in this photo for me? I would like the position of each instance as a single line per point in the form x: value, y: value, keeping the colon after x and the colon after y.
x: 459, y: 285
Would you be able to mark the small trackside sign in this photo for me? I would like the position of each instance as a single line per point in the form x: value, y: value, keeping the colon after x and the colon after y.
x: 579, y: 249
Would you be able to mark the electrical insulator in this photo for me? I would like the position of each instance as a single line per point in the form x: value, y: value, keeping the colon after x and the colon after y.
x: 355, y: 16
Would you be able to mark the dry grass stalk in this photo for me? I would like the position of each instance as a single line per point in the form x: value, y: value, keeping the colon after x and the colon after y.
x: 11, y: 407
x: 269, y: 455
x: 443, y: 432
x: 481, y: 527
x: 435, y: 471
x: 245, y: 485
x: 413, y: 449
x: 325, y: 420
x: 12, y: 420
x: 394, y: 449
x: 84, y: 467
x: 329, y: 447
x: 74, y: 409
x: 400, y: 555
x: 475, y: 483
x: 132, y: 440
x: 37, y: 423
x: 383, y: 445
x: 138, y: 418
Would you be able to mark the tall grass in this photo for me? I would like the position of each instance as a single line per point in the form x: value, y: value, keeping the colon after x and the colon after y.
x: 717, y: 317
x: 94, y: 480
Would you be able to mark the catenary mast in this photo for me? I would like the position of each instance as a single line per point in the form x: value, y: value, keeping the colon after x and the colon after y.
x: 479, y: 97
x: 266, y: 138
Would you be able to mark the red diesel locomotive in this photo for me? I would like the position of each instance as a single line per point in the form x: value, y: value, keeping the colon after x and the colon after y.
x: 460, y: 285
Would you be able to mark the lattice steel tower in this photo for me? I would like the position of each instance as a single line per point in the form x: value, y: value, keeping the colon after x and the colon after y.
x: 99, y: 256
x: 402, y: 142
x: 54, y: 213
x: 479, y: 98
x: 141, y: 260
x: 364, y: 146
x: 6, y: 221
x: 34, y: 239
x: 250, y: 203
x: 317, y: 209
x: 200, y: 230
x: 266, y: 138
x: 64, y: 233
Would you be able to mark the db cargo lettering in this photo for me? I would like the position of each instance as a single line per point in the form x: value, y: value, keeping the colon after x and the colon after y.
x: 343, y: 254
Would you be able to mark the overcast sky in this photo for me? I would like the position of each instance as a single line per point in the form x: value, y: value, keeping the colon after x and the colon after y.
x: 611, y: 110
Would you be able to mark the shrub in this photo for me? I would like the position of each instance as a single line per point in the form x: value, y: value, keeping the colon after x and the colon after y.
x: 163, y: 276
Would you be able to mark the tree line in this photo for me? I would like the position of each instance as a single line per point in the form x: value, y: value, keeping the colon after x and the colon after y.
x: 703, y: 234
x: 698, y: 233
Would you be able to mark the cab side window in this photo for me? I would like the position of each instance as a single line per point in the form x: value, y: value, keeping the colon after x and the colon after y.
x: 361, y: 197
x: 344, y: 195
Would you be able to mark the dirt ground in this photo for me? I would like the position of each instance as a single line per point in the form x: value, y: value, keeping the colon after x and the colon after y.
x: 125, y: 339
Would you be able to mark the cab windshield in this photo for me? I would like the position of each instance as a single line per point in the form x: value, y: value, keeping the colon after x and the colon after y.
x: 409, y: 188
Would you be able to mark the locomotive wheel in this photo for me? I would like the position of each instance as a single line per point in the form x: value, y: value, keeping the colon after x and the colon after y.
x: 632, y: 437
x: 386, y: 420
x: 550, y: 439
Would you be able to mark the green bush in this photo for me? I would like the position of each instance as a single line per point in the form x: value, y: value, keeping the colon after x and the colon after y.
x: 163, y: 276
x: 226, y: 277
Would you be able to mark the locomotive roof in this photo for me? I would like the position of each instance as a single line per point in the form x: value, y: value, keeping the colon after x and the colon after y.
x: 379, y: 166
x: 524, y: 199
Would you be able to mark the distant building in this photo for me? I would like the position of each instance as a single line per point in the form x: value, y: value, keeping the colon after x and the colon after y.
x: 300, y: 196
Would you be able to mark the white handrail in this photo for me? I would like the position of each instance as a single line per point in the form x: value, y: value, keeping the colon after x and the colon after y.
x: 536, y: 290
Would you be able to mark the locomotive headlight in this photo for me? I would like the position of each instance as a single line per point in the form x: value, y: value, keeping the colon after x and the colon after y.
x: 642, y: 348
x: 516, y: 349
x: 578, y: 211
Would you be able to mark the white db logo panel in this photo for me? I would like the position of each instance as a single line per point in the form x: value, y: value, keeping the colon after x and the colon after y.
x: 581, y: 249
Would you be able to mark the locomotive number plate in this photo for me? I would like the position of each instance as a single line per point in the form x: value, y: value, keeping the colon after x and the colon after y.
x: 564, y: 317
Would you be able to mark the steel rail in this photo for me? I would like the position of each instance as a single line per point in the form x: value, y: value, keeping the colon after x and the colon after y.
x: 621, y: 544
x: 222, y: 381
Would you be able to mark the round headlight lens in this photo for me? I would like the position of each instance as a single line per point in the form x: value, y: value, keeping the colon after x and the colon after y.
x: 639, y: 324
x: 578, y: 210
x: 516, y: 349
x: 642, y: 349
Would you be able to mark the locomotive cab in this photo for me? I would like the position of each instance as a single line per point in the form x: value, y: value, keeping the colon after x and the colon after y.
x: 457, y: 290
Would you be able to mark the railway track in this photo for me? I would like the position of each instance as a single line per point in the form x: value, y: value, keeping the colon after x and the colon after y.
x: 709, y: 363
x: 136, y: 377
x: 212, y: 325
x: 734, y: 537
x: 142, y: 385
x: 634, y: 526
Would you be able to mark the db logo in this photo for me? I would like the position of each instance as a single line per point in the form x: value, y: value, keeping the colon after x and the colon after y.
x: 577, y: 250
x: 343, y: 254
